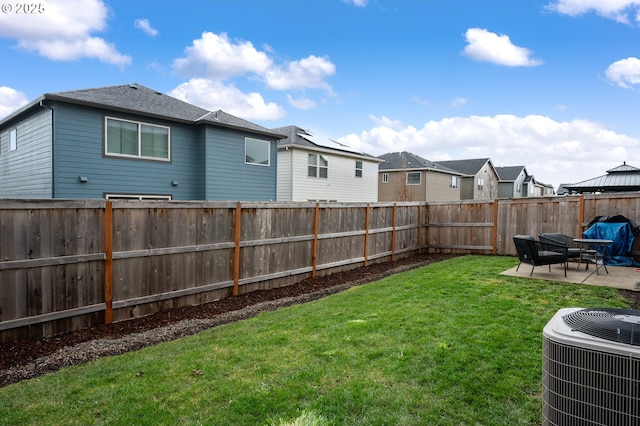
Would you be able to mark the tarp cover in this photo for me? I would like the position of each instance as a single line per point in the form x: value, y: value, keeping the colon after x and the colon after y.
x: 616, y: 254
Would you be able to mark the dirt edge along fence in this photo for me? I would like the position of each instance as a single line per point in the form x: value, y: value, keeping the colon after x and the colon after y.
x: 71, y: 264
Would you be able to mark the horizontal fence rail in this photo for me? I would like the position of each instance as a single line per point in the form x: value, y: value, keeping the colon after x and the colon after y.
x: 71, y: 264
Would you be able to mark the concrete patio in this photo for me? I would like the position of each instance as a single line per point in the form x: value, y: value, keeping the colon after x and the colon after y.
x: 623, y: 277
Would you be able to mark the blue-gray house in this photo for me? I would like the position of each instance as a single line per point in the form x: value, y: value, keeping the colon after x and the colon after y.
x: 130, y: 141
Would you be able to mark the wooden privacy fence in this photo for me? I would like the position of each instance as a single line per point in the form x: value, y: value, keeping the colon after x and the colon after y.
x: 71, y: 264
x: 66, y: 265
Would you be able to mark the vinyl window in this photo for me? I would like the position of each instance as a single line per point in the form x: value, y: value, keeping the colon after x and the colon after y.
x: 453, y: 182
x: 318, y: 166
x: 385, y: 178
x: 358, y: 169
x: 13, y: 140
x: 125, y: 138
x: 257, y: 152
x: 414, y: 178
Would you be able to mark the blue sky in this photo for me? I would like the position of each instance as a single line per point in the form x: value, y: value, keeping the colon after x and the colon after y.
x: 550, y: 84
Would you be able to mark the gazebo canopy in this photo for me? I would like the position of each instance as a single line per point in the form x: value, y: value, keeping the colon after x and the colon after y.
x: 623, y: 178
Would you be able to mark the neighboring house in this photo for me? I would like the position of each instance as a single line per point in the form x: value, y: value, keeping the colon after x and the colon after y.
x: 404, y: 176
x: 308, y: 171
x: 619, y: 179
x: 480, y: 181
x: 512, y: 182
x: 130, y: 141
x: 516, y: 182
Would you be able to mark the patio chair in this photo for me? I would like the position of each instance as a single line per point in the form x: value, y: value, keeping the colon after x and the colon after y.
x: 538, y: 253
x: 573, y: 248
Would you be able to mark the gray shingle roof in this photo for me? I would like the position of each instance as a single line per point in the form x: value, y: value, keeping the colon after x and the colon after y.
x: 141, y: 100
x: 406, y: 160
x: 621, y: 178
x: 300, y: 137
x: 468, y: 167
x: 509, y: 173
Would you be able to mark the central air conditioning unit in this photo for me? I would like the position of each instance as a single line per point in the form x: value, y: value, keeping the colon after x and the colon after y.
x: 591, y: 367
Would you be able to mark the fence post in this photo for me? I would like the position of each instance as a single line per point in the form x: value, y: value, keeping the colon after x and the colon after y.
x: 366, y: 234
x: 393, y: 234
x: 494, y: 250
x: 314, y: 248
x: 581, y: 216
x: 108, y: 262
x: 419, y: 228
x: 236, y: 251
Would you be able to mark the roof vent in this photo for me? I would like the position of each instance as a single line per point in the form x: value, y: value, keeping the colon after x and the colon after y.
x: 133, y: 86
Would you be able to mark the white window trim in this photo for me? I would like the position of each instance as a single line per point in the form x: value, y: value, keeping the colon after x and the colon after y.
x: 419, y: 181
x: 453, y: 182
x: 13, y: 139
x: 138, y: 197
x: 480, y: 184
x: 385, y: 178
x: 268, y: 152
x: 139, y: 156
x: 359, y: 169
x: 318, y: 166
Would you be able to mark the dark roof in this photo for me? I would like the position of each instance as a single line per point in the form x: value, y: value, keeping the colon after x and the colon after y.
x: 406, y: 160
x: 510, y: 173
x: 618, y: 179
x: 297, y: 136
x: 141, y: 100
x: 468, y: 167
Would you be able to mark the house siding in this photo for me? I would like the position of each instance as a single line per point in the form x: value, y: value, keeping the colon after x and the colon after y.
x: 398, y: 190
x: 285, y: 176
x: 78, y: 151
x: 341, y: 184
x: 438, y: 187
x: 227, y: 175
x: 26, y: 171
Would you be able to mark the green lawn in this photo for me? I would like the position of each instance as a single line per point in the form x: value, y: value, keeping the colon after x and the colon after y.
x: 451, y: 343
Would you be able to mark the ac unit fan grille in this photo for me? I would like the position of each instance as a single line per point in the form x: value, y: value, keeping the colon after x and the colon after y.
x: 616, y: 325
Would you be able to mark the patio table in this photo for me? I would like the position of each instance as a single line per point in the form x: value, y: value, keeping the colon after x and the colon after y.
x: 592, y: 250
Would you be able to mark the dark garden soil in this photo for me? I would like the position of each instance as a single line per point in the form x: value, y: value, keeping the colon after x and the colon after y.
x: 31, y: 358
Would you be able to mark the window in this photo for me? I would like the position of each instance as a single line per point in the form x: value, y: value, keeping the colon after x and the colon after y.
x: 257, y: 151
x: 385, y: 178
x: 359, y: 169
x: 480, y: 184
x: 13, y: 140
x: 518, y: 187
x: 453, y: 182
x: 126, y: 138
x: 138, y: 197
x: 318, y: 166
x: 414, y: 178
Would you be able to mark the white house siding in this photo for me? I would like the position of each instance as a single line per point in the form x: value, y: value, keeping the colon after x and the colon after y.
x: 283, y: 192
x: 27, y: 171
x: 341, y: 184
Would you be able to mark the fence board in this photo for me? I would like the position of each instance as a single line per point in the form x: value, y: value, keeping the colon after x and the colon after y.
x: 53, y: 253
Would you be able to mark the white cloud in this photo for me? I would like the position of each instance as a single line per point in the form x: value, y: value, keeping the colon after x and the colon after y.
x: 301, y: 103
x: 625, y: 72
x: 11, y: 100
x: 217, y: 57
x: 215, y: 95
x: 384, y: 121
x: 146, y: 27
x: 459, y: 102
x: 554, y: 152
x: 358, y: 3
x: 309, y: 72
x: 64, y: 31
x: 486, y: 46
x: 617, y: 10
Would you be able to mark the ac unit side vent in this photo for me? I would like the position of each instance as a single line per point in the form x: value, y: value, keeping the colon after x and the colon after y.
x: 616, y: 325
x: 588, y: 380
